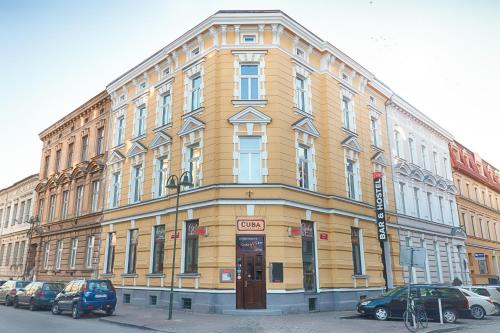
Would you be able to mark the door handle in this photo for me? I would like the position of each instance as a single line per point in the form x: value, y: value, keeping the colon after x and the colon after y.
x: 246, y: 284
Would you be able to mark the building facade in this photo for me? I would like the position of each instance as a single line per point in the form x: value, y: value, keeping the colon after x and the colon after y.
x: 70, y: 193
x: 281, y: 132
x: 425, y: 194
x: 478, y: 200
x: 16, y: 210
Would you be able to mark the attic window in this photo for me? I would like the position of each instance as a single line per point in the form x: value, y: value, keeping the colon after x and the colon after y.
x: 372, y: 100
x: 166, y: 71
x: 195, y: 51
x: 249, y: 39
x: 345, y: 77
x: 122, y: 98
x: 300, y: 52
x: 142, y: 85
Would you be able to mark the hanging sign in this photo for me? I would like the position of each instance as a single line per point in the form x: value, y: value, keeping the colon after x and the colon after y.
x: 378, y: 187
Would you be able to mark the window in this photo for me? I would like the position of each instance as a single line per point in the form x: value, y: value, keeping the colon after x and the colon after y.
x: 136, y: 183
x: 445, y: 167
x: 7, y: 216
x: 20, y: 257
x: 165, y: 114
x: 467, y: 186
x: 120, y: 130
x: 133, y: 240
x: 249, y: 39
x: 140, y: 121
x: 115, y: 189
x: 40, y: 210
x: 484, y: 197
x: 250, y: 160
x: 71, y: 148
x: 451, y: 211
x: 21, y: 213
x: 52, y: 208
x: 59, y: 252
x: 351, y: 178
x: 14, y: 215
x: 79, y: 200
x: 161, y: 176
x: 356, y: 251
x: 195, y: 93
x: 64, y: 206
x: 348, y: 114
x: 417, y: 203
x: 195, y: 52
x: 424, y: 156
x: 300, y: 88
x: 300, y: 53
x: 194, y: 165
x: 14, y: 255
x: 435, y: 161
x: 411, y: 146
x: 100, y: 140
x: 402, y: 197
x: 58, y: 160
x: 476, y: 193
x: 46, y: 254
x: 191, y: 248
x: 249, y: 84
x: 9, y: 252
x: 308, y: 256
x: 72, y: 254
x: 95, y: 196
x: 158, y: 248
x: 304, y: 167
x: 2, y: 251
x: 483, y: 267
x: 441, y: 212
x: 375, y: 131
x: 429, y: 205
x: 90, y: 251
x: 397, y: 141
x: 110, y: 252
x: 46, y: 166
x: 85, y: 146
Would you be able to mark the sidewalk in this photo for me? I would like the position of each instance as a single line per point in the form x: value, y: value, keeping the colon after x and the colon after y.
x: 322, y: 322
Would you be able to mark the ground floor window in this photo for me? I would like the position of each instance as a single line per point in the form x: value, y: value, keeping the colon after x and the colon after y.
x: 133, y: 240
x: 191, y: 248
x: 158, y: 248
x: 356, y: 251
x: 483, y: 267
x: 308, y: 256
x: 110, y: 260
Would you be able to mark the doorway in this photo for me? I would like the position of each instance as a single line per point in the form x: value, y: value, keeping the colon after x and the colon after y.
x: 250, y: 272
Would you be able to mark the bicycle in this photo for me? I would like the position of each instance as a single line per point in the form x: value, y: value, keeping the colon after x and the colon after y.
x: 415, y: 316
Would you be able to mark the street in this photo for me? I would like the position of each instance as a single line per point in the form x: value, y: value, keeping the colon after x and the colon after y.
x: 140, y: 319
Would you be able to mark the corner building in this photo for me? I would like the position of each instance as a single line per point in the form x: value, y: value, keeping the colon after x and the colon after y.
x: 70, y: 193
x: 478, y: 199
x: 281, y: 132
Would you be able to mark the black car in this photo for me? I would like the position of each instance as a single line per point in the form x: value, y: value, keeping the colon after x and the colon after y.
x: 38, y: 295
x: 393, y: 303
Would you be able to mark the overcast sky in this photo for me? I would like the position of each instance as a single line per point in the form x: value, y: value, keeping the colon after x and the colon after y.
x: 441, y: 56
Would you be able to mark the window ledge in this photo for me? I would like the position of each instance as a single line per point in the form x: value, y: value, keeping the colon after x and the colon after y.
x: 121, y: 145
x: 377, y: 148
x: 193, y: 112
x: 139, y: 137
x: 348, y: 131
x: 155, y: 275
x: 360, y: 276
x: 162, y: 127
x: 129, y: 275
x: 189, y: 275
x: 303, y: 113
x: 249, y: 102
x: 107, y: 275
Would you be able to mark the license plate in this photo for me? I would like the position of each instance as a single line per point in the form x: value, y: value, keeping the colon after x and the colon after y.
x: 100, y: 296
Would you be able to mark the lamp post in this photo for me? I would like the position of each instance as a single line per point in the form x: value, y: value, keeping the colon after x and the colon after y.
x: 173, y: 182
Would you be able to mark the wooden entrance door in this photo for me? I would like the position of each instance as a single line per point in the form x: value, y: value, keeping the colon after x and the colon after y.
x: 250, y: 272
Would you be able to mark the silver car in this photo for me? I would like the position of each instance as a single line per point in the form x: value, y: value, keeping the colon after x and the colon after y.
x: 9, y: 290
x: 490, y: 291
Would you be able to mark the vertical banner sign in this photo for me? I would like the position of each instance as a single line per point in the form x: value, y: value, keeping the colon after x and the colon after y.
x: 378, y: 187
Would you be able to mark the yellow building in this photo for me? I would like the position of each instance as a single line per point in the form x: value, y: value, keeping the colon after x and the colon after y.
x: 479, y: 209
x: 281, y: 132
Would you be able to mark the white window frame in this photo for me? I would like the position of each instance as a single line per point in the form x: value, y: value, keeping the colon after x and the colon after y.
x: 250, y: 154
x: 195, y: 92
x: 250, y: 78
x: 46, y: 256
x: 115, y: 185
x: 73, y: 253
x: 94, y: 199
x: 161, y: 176
x: 246, y: 34
x: 305, y: 164
x: 423, y: 152
x: 89, y: 254
x: 79, y: 200
x: 136, y: 177
x: 375, y: 131
x: 52, y: 208
x: 59, y: 253
x: 411, y: 147
x: 348, y: 115
x: 402, y: 197
x: 355, y: 178
x: 191, y: 161
x: 65, y: 204
x: 301, y: 92
x: 120, y: 130
x: 140, y: 121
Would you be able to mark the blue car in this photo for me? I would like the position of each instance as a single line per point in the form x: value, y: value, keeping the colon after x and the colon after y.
x: 86, y: 295
x: 38, y: 295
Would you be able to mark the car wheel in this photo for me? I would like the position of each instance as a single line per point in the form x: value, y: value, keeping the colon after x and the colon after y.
x: 7, y: 301
x: 55, y: 309
x: 477, y: 312
x: 109, y: 312
x: 16, y: 303
x: 75, y: 312
x: 32, y: 305
x: 497, y: 308
x: 449, y: 316
x: 381, y: 313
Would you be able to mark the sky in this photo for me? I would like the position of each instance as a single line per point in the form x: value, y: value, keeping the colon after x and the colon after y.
x: 441, y: 56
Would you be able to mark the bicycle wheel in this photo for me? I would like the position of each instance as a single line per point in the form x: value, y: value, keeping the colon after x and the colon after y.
x: 411, y: 321
x: 422, y: 318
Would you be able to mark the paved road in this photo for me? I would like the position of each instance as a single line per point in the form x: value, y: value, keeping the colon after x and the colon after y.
x: 24, y: 321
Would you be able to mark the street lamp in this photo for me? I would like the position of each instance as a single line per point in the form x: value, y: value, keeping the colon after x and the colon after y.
x: 186, y: 179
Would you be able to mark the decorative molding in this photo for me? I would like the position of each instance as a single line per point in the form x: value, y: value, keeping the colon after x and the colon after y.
x: 161, y: 138
x: 115, y: 157
x: 136, y: 149
x: 191, y: 124
x: 249, y: 115
x: 306, y: 125
x: 352, y: 143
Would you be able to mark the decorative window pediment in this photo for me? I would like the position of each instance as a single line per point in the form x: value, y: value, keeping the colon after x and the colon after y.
x: 379, y: 159
x: 142, y: 100
x: 430, y: 180
x: 136, y: 149
x: 160, y: 139
x: 417, y: 174
x: 352, y: 143
x: 452, y: 189
x: 191, y: 124
x: 403, y: 168
x: 250, y: 115
x: 442, y: 185
x: 306, y: 125
x: 115, y: 157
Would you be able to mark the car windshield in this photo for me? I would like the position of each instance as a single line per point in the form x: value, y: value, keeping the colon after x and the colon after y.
x: 53, y: 286
x: 481, y: 291
x: 99, y: 286
x: 21, y: 284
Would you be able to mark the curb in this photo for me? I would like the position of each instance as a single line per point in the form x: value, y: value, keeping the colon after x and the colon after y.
x: 444, y: 330
x: 141, y: 327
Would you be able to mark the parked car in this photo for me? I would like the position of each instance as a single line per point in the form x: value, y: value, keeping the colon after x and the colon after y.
x: 2, y: 282
x: 81, y: 296
x: 490, y: 291
x: 38, y: 295
x: 480, y: 306
x: 393, y: 303
x: 9, y: 290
